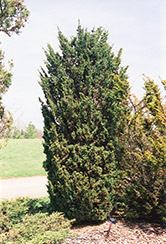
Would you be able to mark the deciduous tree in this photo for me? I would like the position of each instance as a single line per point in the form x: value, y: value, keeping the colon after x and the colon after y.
x: 31, y: 131
x: 5, y: 117
x: 13, y: 15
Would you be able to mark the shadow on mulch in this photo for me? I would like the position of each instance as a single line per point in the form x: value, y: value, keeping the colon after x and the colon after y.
x: 146, y: 227
x: 83, y: 224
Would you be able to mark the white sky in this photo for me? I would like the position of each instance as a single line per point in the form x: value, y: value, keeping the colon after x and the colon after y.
x: 137, y: 26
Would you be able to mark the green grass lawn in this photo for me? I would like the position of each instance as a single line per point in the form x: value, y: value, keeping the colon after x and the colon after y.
x: 22, y: 157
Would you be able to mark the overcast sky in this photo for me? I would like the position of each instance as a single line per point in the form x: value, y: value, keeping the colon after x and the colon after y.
x: 137, y: 26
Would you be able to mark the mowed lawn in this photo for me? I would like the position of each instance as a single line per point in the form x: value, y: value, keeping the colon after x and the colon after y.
x: 22, y: 157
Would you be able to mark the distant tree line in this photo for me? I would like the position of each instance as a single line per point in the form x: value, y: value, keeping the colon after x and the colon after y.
x: 30, y: 132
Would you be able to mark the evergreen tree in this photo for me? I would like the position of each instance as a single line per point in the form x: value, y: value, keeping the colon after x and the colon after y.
x: 144, y: 161
x: 84, y: 114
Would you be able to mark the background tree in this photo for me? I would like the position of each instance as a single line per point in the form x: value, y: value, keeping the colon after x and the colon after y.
x: 17, y: 133
x: 144, y: 163
x: 86, y: 93
x: 13, y: 15
x: 5, y: 117
x: 31, y: 131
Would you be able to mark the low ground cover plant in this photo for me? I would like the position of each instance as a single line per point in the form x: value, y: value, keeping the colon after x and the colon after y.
x: 26, y: 220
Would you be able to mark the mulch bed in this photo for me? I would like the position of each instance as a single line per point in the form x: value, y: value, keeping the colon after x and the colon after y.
x: 123, y: 232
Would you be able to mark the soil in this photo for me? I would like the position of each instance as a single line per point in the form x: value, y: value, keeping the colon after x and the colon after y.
x: 122, y: 232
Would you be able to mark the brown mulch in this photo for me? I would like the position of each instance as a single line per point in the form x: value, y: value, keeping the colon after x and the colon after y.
x: 122, y: 232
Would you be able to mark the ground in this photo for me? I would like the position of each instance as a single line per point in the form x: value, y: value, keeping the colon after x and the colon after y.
x: 121, y: 233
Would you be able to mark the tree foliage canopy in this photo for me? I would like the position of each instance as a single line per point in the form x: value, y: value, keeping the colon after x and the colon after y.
x: 13, y: 15
x: 5, y: 81
x: 86, y: 93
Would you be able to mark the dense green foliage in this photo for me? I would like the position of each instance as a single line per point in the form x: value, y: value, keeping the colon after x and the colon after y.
x: 144, y: 162
x: 86, y: 93
x: 26, y: 220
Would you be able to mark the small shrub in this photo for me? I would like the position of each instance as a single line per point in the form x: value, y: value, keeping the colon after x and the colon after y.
x: 26, y: 220
x: 144, y: 161
x: 38, y: 229
x: 41, y: 205
x: 12, y: 212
